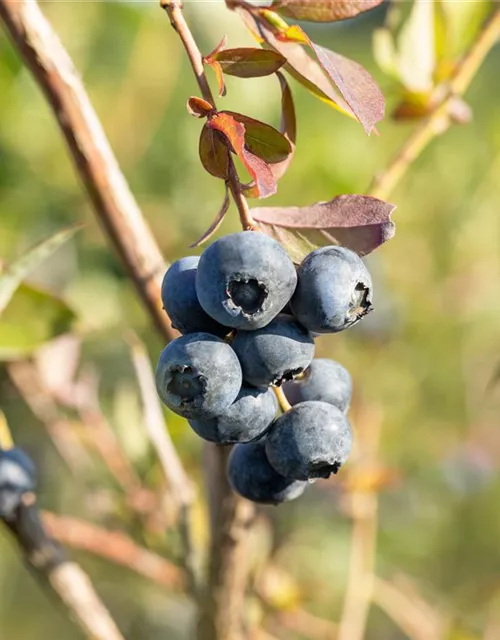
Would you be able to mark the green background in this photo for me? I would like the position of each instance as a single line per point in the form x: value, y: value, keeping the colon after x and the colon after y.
x: 425, y: 361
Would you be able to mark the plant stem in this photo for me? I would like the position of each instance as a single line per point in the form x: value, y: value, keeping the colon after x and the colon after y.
x: 438, y: 120
x: 282, y: 399
x: 178, y: 22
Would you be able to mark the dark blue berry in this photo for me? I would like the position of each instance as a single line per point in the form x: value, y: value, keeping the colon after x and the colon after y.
x: 274, y: 354
x: 198, y: 376
x: 180, y: 301
x: 324, y: 380
x: 17, y: 477
x: 334, y: 290
x: 250, y: 474
x: 246, y: 419
x: 245, y: 279
x: 311, y: 440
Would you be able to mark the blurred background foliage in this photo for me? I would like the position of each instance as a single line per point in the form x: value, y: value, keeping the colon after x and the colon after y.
x: 425, y: 363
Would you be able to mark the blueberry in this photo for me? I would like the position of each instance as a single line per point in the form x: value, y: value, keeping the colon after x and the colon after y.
x: 246, y: 419
x: 180, y: 301
x: 17, y: 477
x: 245, y: 279
x: 250, y: 474
x: 276, y: 353
x: 198, y: 376
x: 334, y: 290
x: 311, y: 440
x: 324, y: 380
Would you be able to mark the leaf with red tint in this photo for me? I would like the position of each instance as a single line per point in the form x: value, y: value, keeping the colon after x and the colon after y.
x: 214, y: 153
x: 220, y: 47
x: 288, y: 126
x: 219, y: 74
x: 216, y: 223
x: 322, y: 10
x: 299, y: 64
x: 263, y: 140
x: 198, y: 107
x: 361, y: 223
x: 356, y: 85
x: 249, y: 62
x: 235, y: 133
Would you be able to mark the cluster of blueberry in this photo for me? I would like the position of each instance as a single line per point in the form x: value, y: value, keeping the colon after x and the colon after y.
x: 248, y: 319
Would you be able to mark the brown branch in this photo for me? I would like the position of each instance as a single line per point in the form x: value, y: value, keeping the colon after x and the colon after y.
x: 364, y: 511
x: 438, y: 120
x: 178, y: 22
x: 115, y: 547
x: 66, y: 579
x: 94, y: 160
x: 416, y: 618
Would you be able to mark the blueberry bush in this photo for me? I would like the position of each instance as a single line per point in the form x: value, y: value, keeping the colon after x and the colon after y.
x: 248, y: 318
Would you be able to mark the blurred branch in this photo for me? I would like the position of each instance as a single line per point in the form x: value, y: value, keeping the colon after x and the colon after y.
x: 363, y: 508
x: 115, y: 547
x: 223, y: 602
x: 417, y: 619
x: 438, y: 120
x: 300, y: 621
x: 179, y: 483
x: 66, y: 579
x: 114, y: 205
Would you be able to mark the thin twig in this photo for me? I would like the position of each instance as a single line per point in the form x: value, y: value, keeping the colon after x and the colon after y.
x: 438, y: 120
x: 181, y: 487
x: 178, y: 22
x: 66, y: 579
x: 364, y: 510
x: 94, y: 160
x: 115, y: 547
x: 417, y: 622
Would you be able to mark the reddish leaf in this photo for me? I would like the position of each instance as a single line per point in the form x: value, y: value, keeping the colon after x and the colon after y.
x: 361, y: 223
x: 220, y: 47
x: 288, y: 129
x: 356, y: 85
x: 216, y: 223
x: 219, y: 74
x: 263, y: 140
x: 299, y: 64
x: 214, y: 153
x: 248, y: 62
x: 235, y: 133
x: 322, y: 10
x: 198, y: 107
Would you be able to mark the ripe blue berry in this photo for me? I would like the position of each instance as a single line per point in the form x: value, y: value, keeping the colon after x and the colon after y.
x: 276, y: 353
x: 324, y: 380
x: 250, y: 474
x: 244, y: 280
x: 311, y: 440
x: 246, y: 419
x: 334, y: 290
x: 198, y: 376
x: 180, y: 301
x: 17, y: 477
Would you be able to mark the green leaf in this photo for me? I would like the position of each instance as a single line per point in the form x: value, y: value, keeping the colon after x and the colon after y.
x: 32, y: 317
x: 263, y: 140
x: 322, y: 10
x: 248, y: 62
x: 13, y: 274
